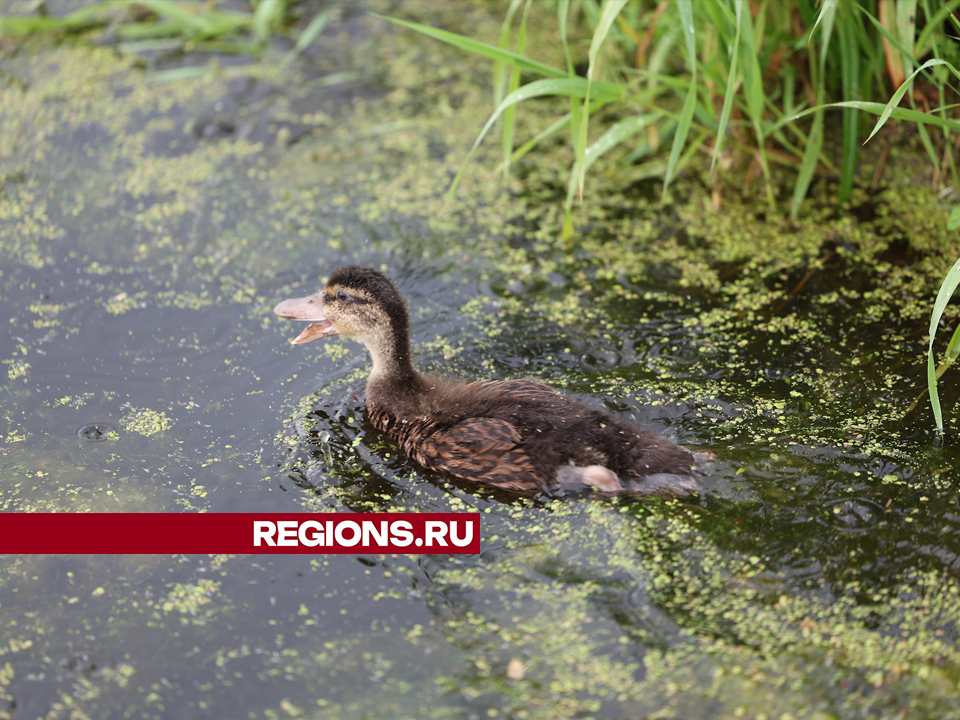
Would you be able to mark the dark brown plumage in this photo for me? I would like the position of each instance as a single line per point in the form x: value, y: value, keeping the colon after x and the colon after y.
x: 516, y: 435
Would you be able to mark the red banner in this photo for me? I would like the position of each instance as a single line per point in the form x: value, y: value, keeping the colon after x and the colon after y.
x: 216, y: 533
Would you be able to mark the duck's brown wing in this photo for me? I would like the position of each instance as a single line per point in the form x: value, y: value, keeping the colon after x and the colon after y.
x: 485, y: 450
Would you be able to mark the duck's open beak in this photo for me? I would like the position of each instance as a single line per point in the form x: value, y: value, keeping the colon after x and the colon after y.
x: 309, y: 309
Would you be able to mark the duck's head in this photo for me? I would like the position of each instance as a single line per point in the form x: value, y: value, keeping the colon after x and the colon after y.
x: 356, y: 302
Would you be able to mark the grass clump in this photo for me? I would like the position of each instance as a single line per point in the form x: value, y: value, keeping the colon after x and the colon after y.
x: 748, y: 84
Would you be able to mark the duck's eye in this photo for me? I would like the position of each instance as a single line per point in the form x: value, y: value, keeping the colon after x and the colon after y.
x: 341, y: 295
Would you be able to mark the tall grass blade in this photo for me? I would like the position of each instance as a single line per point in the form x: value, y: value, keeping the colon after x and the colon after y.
x: 311, y: 32
x: 895, y: 99
x: 499, y: 69
x: 826, y: 15
x: 618, y: 133
x: 576, y: 116
x: 510, y: 114
x: 479, y: 48
x: 153, y: 30
x: 563, y: 12
x: 689, y: 104
x: 608, y: 14
x: 552, y: 130
x: 34, y: 25
x: 907, y: 29
x: 731, y: 86
x: 268, y: 15
x: 949, y: 286
x: 178, y: 14
x: 753, y: 85
x: 187, y: 72
x: 940, y: 80
x: 952, y: 352
x: 935, y: 22
x: 850, y: 82
x: 808, y: 165
x: 530, y: 144
x: 575, y: 86
x: 881, y: 109
x: 878, y: 26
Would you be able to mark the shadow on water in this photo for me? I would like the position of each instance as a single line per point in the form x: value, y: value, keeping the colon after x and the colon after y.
x: 147, y: 237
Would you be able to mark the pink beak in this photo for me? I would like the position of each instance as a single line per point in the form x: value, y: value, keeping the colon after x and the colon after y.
x: 309, y: 309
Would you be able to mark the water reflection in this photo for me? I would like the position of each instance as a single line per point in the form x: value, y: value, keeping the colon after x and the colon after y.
x: 851, y: 515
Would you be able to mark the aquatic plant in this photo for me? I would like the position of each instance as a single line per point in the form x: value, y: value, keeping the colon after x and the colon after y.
x: 949, y: 286
x: 731, y: 80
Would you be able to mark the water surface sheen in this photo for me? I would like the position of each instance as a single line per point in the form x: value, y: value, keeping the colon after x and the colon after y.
x: 816, y: 572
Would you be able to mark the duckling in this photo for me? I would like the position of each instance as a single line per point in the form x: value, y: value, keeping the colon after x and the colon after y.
x: 519, y: 435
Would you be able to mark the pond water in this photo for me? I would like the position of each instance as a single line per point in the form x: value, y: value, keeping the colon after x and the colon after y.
x: 149, y: 228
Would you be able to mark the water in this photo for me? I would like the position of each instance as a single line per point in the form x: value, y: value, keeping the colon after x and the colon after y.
x: 815, y: 573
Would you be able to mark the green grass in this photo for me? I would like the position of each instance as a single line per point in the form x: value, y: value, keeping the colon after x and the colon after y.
x: 708, y: 82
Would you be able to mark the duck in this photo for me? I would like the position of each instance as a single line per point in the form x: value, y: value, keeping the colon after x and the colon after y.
x: 517, y: 435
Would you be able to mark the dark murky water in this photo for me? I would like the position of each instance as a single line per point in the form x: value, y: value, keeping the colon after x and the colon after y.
x: 815, y: 573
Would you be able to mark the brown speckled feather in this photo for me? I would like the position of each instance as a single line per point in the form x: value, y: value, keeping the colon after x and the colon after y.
x: 482, y: 449
x: 485, y: 450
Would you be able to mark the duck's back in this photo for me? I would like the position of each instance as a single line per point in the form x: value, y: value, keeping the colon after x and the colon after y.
x: 518, y: 434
